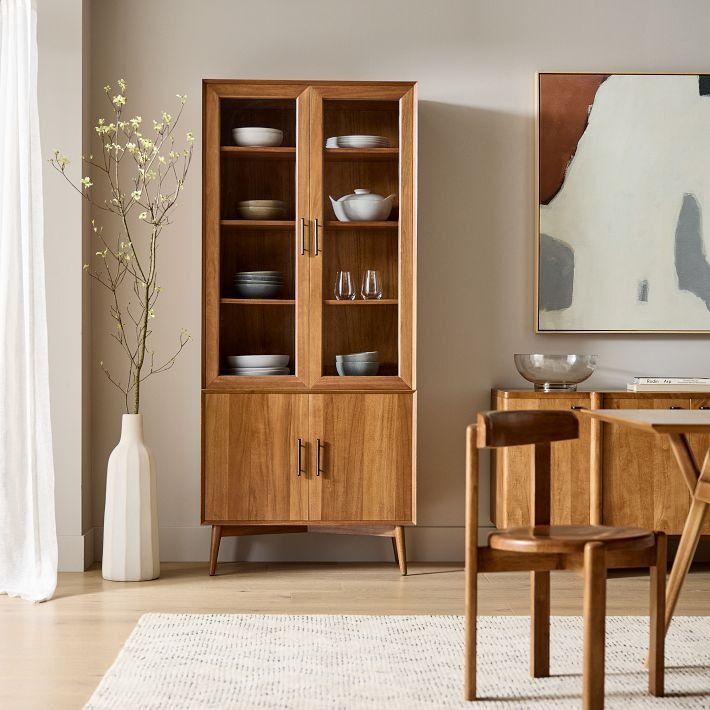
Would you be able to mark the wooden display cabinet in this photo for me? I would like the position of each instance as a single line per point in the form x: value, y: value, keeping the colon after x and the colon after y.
x: 611, y: 475
x: 308, y: 451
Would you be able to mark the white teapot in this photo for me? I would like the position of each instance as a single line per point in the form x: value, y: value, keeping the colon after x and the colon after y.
x: 362, y: 206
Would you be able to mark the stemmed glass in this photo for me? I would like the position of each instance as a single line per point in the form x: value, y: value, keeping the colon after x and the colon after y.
x: 371, y: 286
x: 344, y: 290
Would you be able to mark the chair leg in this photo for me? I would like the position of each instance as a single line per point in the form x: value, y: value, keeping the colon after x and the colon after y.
x: 594, y: 621
x: 656, y: 660
x: 214, y: 548
x: 470, y: 632
x: 539, y: 624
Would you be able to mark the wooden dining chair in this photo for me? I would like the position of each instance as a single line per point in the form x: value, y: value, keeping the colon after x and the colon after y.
x: 542, y: 548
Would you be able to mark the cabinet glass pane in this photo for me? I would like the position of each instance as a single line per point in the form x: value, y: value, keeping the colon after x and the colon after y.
x: 361, y: 325
x: 257, y: 263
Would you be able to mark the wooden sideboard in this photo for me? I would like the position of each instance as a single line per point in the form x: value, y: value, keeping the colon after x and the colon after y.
x: 610, y: 475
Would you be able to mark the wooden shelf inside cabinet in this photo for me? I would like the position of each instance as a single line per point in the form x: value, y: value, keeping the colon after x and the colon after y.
x: 259, y: 223
x: 362, y: 225
x: 362, y: 153
x: 268, y: 153
x: 363, y: 302
x: 259, y: 301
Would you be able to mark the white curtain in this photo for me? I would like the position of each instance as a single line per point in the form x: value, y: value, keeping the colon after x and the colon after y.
x: 28, y: 536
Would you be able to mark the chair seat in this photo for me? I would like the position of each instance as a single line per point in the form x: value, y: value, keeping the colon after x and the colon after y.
x: 564, y: 539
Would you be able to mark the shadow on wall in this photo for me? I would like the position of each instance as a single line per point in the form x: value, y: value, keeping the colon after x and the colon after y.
x: 475, y: 230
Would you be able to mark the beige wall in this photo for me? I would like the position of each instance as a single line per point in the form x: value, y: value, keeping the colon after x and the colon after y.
x: 475, y: 62
x: 62, y: 84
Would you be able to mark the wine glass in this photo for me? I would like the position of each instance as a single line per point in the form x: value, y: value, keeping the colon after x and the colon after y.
x: 344, y: 290
x: 371, y: 285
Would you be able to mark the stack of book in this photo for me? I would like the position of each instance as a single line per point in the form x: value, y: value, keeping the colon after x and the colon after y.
x: 669, y: 384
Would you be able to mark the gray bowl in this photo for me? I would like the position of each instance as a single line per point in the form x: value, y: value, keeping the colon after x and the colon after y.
x: 254, y: 290
x: 371, y: 356
x: 357, y: 369
x: 555, y: 372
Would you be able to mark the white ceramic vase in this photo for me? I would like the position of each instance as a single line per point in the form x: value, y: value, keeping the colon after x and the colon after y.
x: 131, y: 514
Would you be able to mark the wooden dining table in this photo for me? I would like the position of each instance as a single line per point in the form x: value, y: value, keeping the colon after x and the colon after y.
x: 675, y: 425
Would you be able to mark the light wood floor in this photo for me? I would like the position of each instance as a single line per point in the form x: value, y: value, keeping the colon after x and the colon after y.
x: 53, y: 655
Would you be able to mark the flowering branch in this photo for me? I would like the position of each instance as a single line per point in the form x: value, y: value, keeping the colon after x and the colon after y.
x: 155, y: 171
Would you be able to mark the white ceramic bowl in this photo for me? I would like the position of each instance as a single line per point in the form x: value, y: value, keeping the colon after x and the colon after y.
x: 257, y: 137
x: 370, y: 356
x: 364, y: 210
x: 252, y: 361
x: 256, y: 211
x: 356, y: 368
x: 257, y: 290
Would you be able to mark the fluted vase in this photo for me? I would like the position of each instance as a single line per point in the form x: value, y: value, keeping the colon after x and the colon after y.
x: 130, y: 552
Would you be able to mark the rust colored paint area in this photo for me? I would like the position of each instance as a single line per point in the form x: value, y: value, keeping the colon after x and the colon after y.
x: 564, y: 103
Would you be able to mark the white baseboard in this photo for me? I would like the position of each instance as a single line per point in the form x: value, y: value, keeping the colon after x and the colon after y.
x: 424, y: 544
x: 76, y: 552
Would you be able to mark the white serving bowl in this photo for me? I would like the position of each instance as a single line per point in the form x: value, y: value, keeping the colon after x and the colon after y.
x: 367, y: 210
x: 253, y: 361
x: 257, y: 137
x: 261, y: 209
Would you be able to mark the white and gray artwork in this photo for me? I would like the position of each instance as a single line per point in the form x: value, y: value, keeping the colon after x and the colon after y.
x: 624, y: 173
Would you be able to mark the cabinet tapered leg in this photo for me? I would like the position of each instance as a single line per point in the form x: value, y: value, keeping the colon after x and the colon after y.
x: 394, y: 549
x: 400, y: 549
x: 214, y: 548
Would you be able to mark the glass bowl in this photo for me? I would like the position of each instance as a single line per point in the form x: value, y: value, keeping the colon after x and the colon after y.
x: 551, y: 373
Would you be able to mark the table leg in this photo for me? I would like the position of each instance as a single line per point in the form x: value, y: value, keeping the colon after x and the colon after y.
x: 684, y: 556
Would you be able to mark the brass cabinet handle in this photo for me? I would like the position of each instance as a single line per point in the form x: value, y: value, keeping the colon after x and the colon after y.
x: 316, y: 233
x: 303, y: 236
x: 318, y: 446
x: 299, y: 446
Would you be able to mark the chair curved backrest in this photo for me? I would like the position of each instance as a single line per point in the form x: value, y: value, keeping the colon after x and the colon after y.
x: 525, y: 426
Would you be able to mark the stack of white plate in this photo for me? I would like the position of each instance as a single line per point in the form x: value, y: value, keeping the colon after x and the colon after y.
x: 357, y: 142
x: 258, y: 284
x: 261, y: 209
x: 257, y: 365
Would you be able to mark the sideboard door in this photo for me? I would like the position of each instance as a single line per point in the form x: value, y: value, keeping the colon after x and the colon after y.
x: 250, y: 450
x: 641, y: 483
x: 569, y: 470
x: 364, y: 462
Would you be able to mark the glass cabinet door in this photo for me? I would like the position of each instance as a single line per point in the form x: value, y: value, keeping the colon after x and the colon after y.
x: 362, y: 232
x: 256, y: 268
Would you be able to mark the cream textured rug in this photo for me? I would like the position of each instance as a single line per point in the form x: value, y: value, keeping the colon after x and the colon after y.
x: 262, y: 662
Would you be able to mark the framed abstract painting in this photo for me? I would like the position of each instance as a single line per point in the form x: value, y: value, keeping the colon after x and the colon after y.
x: 623, y: 186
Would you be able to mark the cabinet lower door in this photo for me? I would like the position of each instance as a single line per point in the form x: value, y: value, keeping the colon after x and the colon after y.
x: 250, y: 450
x: 642, y: 485
x: 362, y: 446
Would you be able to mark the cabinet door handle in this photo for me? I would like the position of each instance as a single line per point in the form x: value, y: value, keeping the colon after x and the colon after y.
x: 704, y: 407
x: 318, y: 447
x: 576, y: 407
x: 303, y: 236
x: 299, y: 446
x: 675, y: 407
x: 316, y: 235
